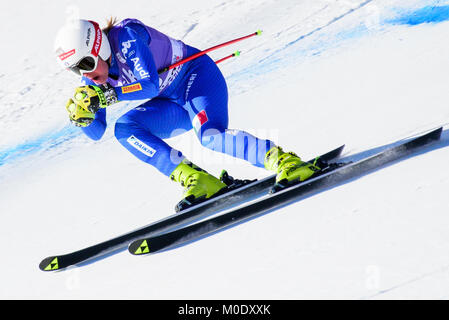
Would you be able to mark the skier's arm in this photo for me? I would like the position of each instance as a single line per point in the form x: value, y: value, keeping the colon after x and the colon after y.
x: 143, y: 67
x: 97, y: 128
x: 134, y: 42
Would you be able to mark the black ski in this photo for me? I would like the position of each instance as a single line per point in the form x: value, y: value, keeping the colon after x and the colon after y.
x: 311, y: 186
x: 225, y: 201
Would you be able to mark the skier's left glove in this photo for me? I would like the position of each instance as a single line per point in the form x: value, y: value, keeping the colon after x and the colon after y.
x: 92, y: 98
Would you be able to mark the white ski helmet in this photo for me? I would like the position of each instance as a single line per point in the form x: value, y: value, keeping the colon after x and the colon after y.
x: 78, y: 45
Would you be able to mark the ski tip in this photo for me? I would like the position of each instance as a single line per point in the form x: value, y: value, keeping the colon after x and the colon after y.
x: 333, y: 154
x: 49, y: 264
x: 430, y: 136
x: 436, y: 134
x: 139, y: 247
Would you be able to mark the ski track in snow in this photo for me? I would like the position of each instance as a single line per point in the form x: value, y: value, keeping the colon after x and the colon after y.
x: 318, y: 29
x: 402, y: 285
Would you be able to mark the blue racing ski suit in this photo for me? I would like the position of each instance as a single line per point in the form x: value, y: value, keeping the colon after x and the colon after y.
x: 193, y: 95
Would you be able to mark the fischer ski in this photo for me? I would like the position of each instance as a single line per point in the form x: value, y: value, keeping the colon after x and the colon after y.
x: 225, y: 201
x: 336, y: 175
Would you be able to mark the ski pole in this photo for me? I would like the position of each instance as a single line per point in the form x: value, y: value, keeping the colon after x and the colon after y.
x: 235, y: 54
x: 201, y: 53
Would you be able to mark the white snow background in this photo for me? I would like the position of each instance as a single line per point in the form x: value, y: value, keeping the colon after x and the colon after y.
x: 363, y: 73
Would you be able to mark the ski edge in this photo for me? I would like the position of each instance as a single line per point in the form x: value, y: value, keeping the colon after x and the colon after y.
x: 141, y: 246
x: 58, y: 262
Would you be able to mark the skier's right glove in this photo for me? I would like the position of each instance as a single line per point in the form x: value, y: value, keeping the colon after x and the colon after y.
x: 94, y: 98
x: 79, y: 116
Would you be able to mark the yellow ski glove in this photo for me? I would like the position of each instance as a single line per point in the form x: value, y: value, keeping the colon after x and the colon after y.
x: 78, y: 115
x: 92, y: 98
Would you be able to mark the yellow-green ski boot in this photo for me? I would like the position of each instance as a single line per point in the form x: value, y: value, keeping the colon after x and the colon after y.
x: 199, y: 185
x: 289, y: 167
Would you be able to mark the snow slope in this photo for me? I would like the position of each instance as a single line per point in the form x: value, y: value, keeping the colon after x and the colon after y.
x: 325, y: 72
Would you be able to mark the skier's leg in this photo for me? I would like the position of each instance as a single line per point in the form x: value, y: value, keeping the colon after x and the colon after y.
x: 207, y: 104
x: 142, y: 129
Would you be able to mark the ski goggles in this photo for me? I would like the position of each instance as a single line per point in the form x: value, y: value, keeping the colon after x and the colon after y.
x: 85, y: 65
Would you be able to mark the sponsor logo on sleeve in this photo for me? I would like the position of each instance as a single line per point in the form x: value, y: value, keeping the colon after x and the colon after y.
x: 125, y: 46
x: 132, y: 88
x: 138, y: 67
x: 128, y: 75
x: 120, y: 58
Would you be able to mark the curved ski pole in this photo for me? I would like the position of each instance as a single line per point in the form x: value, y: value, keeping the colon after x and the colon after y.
x: 201, y: 53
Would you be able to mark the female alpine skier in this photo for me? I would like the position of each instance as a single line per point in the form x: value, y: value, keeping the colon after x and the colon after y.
x: 121, y: 63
